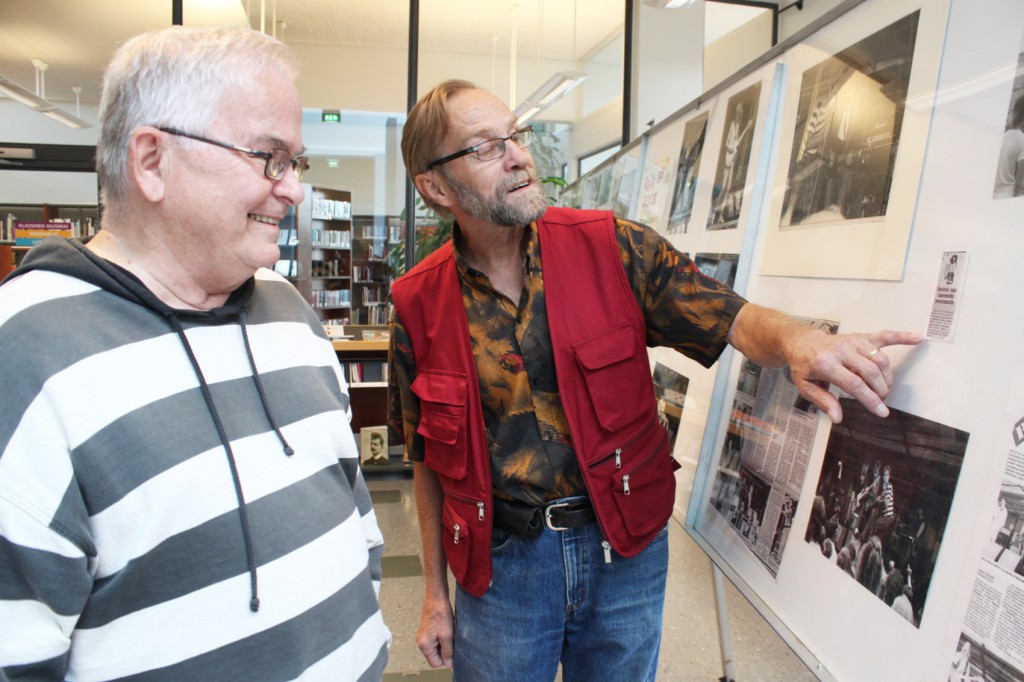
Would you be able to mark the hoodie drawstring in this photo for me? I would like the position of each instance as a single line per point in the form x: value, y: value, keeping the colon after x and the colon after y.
x: 259, y: 386
x: 243, y: 515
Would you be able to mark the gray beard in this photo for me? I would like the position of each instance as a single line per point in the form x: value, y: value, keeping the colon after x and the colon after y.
x: 498, y: 210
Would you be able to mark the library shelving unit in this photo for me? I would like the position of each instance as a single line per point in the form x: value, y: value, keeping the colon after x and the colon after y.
x: 365, y: 364
x: 372, y: 239
x: 324, y: 252
x: 82, y: 221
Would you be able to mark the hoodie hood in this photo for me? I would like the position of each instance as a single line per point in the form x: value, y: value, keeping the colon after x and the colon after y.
x: 71, y: 258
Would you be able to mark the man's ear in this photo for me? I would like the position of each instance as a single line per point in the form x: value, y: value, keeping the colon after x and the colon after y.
x: 146, y: 150
x: 432, y: 186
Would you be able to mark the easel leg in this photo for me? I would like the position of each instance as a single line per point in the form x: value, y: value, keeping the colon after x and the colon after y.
x: 724, y: 636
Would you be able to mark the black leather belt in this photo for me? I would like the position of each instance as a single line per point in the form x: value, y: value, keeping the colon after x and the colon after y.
x: 529, y: 521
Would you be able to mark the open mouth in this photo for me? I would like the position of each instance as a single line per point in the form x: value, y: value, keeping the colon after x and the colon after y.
x: 263, y: 219
x: 515, y: 188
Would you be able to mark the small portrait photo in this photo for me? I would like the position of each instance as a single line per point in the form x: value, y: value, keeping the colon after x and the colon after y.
x: 373, y: 446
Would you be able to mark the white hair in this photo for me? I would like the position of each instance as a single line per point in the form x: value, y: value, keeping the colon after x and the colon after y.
x: 176, y: 77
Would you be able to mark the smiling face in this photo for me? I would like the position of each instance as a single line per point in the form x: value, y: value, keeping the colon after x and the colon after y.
x: 505, y: 191
x: 227, y: 211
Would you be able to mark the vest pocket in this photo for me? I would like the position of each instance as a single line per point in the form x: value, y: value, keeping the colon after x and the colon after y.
x: 642, y: 481
x: 442, y: 424
x: 610, y: 363
x: 457, y: 538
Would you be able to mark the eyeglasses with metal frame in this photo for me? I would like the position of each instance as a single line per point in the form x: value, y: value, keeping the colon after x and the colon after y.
x: 277, y: 160
x: 489, y: 150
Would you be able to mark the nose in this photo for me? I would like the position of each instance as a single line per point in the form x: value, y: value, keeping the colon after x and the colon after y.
x: 289, y: 188
x: 516, y: 156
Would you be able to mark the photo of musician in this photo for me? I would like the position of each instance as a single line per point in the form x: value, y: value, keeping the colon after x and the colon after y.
x: 734, y: 158
x: 847, y: 131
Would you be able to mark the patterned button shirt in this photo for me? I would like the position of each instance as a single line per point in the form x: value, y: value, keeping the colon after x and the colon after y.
x: 532, y: 456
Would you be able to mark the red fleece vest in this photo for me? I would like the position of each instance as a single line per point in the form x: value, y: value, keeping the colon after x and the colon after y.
x: 598, y: 335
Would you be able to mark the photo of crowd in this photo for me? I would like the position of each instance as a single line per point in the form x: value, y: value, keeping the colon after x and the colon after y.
x: 883, y: 499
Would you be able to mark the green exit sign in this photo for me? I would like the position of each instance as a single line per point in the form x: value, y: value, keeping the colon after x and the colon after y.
x: 330, y: 116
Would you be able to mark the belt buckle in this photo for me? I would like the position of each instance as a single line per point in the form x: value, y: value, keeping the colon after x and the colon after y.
x: 547, y: 515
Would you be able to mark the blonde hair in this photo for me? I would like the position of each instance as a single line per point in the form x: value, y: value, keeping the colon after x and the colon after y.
x: 426, y: 128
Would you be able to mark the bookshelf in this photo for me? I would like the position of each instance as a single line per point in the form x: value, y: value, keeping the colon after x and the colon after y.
x: 365, y: 364
x: 373, y: 237
x: 81, y: 221
x: 323, y: 253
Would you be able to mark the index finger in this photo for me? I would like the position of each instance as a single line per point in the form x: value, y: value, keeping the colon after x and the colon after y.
x: 889, y: 337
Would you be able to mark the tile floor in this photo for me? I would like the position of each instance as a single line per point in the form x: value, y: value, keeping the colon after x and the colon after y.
x: 690, y: 647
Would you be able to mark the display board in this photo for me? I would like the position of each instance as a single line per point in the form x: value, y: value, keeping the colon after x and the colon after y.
x: 883, y: 188
x: 877, y: 546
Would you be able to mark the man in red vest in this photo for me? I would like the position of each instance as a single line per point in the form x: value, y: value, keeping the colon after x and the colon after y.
x: 521, y: 386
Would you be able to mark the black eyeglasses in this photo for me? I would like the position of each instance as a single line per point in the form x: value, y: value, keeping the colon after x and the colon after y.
x: 489, y: 149
x: 278, y: 160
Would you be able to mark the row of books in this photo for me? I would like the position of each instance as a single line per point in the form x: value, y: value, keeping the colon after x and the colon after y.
x: 330, y: 209
x: 376, y: 313
x: 334, y: 298
x: 367, y: 273
x: 330, y: 268
x: 359, y: 372
x: 373, y: 294
x: 28, y: 232
x: 374, y: 232
x: 333, y: 239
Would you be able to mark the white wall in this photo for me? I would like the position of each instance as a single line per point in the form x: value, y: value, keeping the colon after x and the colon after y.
x: 20, y: 124
x: 792, y: 20
x: 729, y: 54
x: 668, y: 53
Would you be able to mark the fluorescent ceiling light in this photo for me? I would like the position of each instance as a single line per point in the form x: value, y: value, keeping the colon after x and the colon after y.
x: 556, y: 87
x: 668, y: 4
x: 43, y: 106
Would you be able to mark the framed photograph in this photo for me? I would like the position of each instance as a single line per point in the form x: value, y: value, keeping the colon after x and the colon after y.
x: 1009, y: 181
x: 670, y: 391
x: 660, y: 160
x: 853, y: 132
x: 719, y: 266
x: 373, y: 445
x: 625, y: 178
x: 734, y: 158
x: 685, y: 183
x: 882, y: 501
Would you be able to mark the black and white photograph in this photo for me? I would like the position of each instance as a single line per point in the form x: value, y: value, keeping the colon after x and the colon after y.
x: 686, y: 174
x: 882, y: 502
x: 373, y: 448
x: 719, y: 266
x: 1005, y: 534
x: 670, y: 391
x: 742, y: 498
x: 1010, y: 166
x: 734, y: 158
x: 848, y: 124
x: 974, y: 662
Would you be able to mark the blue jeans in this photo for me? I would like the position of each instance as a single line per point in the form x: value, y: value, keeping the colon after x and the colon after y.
x: 553, y: 598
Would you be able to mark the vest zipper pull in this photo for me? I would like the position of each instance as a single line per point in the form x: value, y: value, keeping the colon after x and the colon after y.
x: 625, y: 484
x: 607, y: 551
x: 457, y: 529
x: 618, y: 458
x: 480, y: 508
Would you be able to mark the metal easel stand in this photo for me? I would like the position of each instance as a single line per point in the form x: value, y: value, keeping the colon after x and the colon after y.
x: 724, y: 635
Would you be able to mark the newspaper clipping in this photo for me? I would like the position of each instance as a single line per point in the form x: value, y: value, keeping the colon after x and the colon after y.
x: 764, y: 458
x: 991, y: 642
